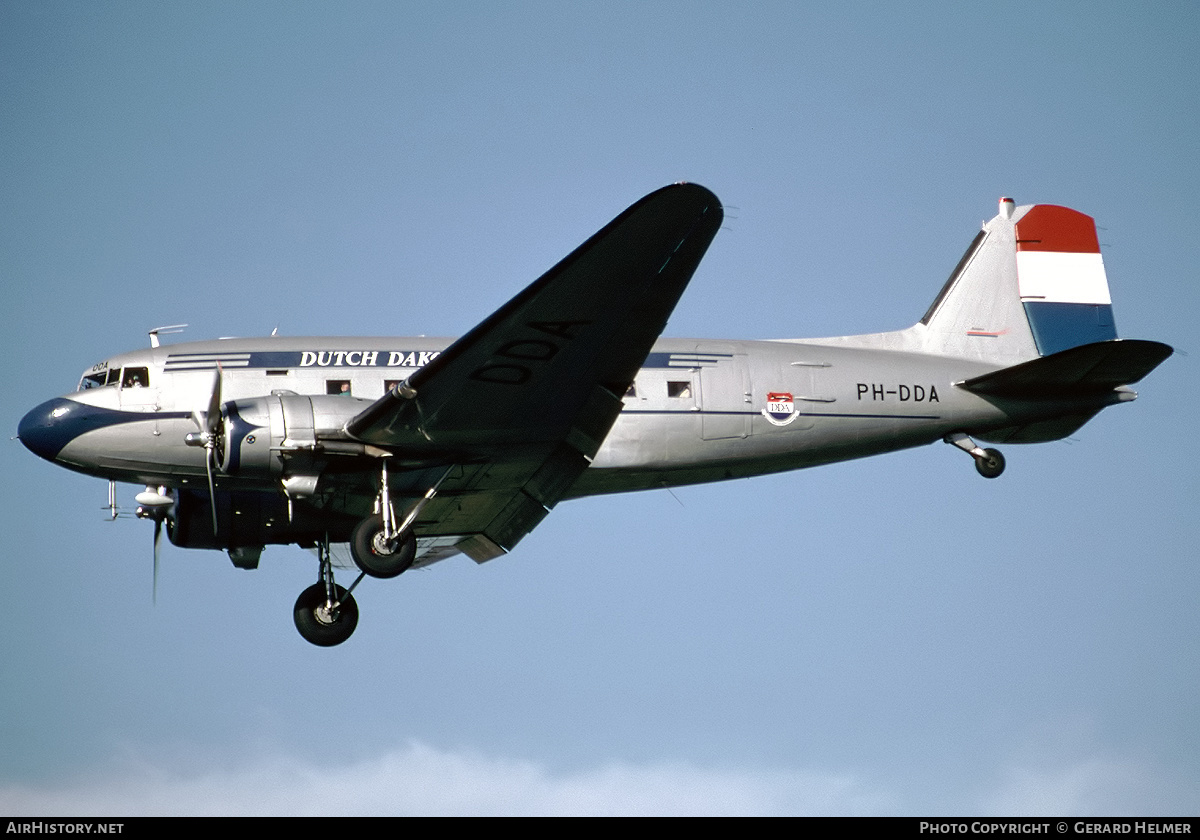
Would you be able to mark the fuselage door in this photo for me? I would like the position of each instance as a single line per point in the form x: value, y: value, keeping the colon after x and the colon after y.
x: 809, y: 381
x: 726, y: 399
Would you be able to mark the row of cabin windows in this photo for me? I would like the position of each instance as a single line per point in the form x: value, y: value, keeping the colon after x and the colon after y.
x: 679, y: 390
x: 139, y: 377
x: 342, y: 386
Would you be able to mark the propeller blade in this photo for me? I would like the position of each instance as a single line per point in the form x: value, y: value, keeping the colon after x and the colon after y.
x: 213, y: 417
x: 210, y: 453
x: 210, y: 423
x: 157, y: 537
x: 209, y: 420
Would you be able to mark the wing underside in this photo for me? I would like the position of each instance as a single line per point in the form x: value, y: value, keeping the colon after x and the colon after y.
x: 516, y: 409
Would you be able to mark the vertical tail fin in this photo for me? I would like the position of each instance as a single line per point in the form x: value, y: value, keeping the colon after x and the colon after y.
x: 1031, y: 284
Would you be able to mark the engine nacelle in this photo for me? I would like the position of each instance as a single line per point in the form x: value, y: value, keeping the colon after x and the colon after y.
x: 264, y: 435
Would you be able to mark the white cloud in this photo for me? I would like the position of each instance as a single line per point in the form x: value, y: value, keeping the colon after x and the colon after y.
x: 419, y: 780
x: 1095, y: 787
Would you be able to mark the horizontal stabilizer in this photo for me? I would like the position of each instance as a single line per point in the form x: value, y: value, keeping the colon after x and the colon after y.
x: 1101, y: 366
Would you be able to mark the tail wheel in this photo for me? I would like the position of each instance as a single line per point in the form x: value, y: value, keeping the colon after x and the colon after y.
x: 990, y: 464
x: 378, y: 556
x: 323, y: 623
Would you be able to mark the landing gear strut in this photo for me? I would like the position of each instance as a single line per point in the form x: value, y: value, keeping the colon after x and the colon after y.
x: 326, y: 613
x: 988, y: 462
x: 382, y: 545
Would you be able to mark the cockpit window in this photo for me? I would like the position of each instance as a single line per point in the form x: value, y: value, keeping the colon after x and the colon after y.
x: 135, y: 377
x: 130, y: 377
x: 92, y: 380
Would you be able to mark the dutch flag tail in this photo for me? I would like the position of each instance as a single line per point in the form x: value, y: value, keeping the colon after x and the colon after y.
x: 1061, y: 279
x: 1031, y: 284
x: 1031, y: 295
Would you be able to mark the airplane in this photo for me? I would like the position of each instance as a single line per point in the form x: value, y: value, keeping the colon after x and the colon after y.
x: 412, y: 450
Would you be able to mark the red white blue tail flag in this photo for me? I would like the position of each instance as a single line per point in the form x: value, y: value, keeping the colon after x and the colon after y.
x: 1061, y: 278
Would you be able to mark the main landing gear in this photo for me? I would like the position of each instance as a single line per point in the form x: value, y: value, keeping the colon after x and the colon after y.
x: 988, y: 462
x: 383, y: 545
x: 326, y: 613
x: 378, y: 554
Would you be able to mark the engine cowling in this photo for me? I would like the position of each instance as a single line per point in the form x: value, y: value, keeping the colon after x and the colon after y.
x: 265, y: 436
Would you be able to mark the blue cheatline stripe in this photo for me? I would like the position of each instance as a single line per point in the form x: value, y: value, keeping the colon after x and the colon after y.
x: 1061, y: 326
x: 315, y: 359
x: 690, y: 413
x: 52, y: 425
x: 684, y: 360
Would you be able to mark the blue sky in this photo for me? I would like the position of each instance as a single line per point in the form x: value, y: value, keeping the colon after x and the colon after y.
x: 889, y: 636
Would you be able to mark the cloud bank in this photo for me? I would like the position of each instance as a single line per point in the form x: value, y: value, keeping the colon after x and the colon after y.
x: 419, y: 780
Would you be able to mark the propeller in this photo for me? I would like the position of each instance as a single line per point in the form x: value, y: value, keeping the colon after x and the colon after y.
x: 155, y: 503
x: 158, y: 521
x: 211, y: 425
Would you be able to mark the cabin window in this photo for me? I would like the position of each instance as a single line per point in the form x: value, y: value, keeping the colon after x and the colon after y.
x: 337, y: 386
x: 631, y: 391
x: 135, y: 377
x: 679, y: 390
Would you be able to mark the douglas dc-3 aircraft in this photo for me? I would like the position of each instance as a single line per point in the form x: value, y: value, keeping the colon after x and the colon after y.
x: 415, y: 449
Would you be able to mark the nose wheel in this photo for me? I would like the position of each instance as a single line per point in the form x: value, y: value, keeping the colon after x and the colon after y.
x: 989, y: 463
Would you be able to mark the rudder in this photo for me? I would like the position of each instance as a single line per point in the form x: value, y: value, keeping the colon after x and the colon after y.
x: 1031, y: 284
x: 1061, y: 277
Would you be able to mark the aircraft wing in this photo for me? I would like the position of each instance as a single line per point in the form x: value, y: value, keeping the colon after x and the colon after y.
x: 523, y: 401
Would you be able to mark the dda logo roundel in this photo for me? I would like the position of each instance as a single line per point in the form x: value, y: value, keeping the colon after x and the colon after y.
x: 780, y: 409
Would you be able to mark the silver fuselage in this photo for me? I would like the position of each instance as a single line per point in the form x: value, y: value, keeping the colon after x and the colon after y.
x: 698, y: 411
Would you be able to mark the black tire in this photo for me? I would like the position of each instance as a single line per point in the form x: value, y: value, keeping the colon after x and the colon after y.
x: 374, y: 556
x: 991, y: 465
x: 316, y: 625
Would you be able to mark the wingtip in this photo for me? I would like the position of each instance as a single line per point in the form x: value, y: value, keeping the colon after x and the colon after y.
x: 702, y: 192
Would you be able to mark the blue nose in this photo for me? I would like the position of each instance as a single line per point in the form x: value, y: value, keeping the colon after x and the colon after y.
x: 52, y: 425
